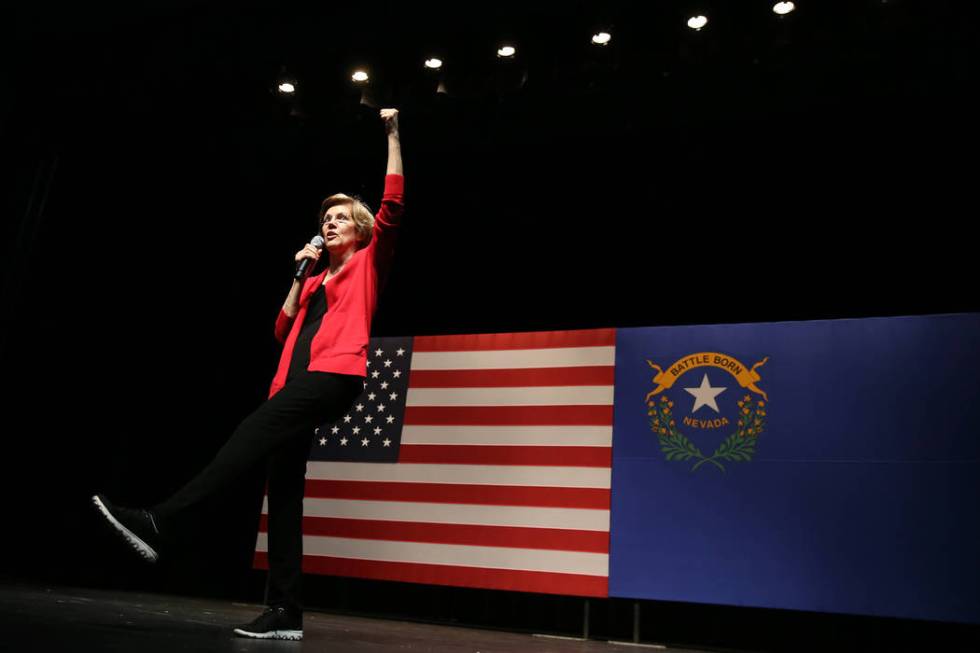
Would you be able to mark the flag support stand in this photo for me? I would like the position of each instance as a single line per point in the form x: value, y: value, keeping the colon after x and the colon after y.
x: 636, y: 622
x: 585, y: 620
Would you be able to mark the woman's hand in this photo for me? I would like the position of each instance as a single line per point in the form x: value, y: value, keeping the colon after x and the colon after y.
x: 308, y: 252
x: 390, y: 116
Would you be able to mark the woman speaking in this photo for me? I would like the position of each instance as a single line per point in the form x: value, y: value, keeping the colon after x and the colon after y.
x: 324, y: 326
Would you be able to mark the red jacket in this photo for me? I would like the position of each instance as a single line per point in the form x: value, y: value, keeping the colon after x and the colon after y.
x: 340, y: 345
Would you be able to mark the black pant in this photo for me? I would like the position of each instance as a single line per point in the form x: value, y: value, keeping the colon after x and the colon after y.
x: 281, y: 431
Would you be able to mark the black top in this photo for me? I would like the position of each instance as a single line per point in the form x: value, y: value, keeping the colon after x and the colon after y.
x: 311, y: 324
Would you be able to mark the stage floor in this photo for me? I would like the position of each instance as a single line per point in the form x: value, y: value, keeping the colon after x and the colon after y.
x: 41, y: 618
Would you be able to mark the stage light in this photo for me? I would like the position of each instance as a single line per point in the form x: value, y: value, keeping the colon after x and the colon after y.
x: 602, y: 38
x: 359, y: 77
x: 697, y: 22
x: 783, y: 8
x: 433, y: 63
x: 286, y: 88
x: 506, y: 52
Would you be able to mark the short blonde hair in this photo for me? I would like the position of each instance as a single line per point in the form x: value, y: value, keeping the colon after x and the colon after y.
x: 360, y: 213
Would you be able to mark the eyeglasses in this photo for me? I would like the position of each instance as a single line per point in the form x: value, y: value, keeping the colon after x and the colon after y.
x: 340, y: 216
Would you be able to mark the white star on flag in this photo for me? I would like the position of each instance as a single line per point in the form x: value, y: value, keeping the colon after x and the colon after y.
x: 705, y: 395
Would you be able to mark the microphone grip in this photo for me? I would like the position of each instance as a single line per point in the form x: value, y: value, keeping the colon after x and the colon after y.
x: 304, y: 265
x: 302, y: 269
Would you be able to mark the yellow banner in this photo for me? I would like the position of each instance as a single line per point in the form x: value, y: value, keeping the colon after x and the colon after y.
x: 746, y: 377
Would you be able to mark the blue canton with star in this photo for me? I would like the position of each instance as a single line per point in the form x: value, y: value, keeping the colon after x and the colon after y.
x: 371, y: 430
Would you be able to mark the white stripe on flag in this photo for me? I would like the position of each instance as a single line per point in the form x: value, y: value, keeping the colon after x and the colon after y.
x: 513, y: 359
x: 450, y: 513
x: 562, y: 562
x: 527, y: 476
x: 515, y: 396
x: 571, y: 436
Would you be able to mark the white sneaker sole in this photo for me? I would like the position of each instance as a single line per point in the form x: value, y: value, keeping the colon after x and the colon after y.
x: 294, y: 635
x: 145, y: 550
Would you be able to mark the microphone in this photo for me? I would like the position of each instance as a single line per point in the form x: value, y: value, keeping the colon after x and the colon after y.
x: 305, y: 263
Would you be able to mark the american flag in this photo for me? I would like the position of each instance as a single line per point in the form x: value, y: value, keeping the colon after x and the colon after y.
x: 471, y: 460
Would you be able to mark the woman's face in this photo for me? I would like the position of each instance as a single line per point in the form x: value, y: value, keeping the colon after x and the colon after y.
x: 338, y: 229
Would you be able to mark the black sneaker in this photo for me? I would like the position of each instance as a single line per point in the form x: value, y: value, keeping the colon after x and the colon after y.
x: 138, y: 527
x: 275, y: 623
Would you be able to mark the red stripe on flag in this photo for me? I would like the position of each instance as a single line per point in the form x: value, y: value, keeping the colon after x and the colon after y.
x: 511, y: 378
x: 496, y: 495
x: 509, y: 415
x: 498, y: 579
x: 555, y: 539
x: 530, y: 340
x: 506, y: 455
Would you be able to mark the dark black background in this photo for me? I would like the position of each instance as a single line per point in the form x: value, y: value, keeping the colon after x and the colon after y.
x: 818, y: 166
